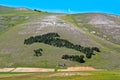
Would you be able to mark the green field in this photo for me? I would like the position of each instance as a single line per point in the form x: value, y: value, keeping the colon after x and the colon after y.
x: 102, y: 75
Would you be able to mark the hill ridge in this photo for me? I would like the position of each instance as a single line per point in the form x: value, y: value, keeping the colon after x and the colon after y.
x: 77, y: 28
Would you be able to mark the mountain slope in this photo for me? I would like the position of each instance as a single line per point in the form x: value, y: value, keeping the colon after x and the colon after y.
x: 6, y: 10
x: 106, y: 26
x: 109, y: 58
x: 79, y: 29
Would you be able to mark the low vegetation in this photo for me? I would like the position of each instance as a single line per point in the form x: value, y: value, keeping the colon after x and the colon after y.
x: 102, y: 75
x: 9, y: 21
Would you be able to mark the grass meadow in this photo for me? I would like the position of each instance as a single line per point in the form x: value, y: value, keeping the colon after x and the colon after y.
x: 98, y: 75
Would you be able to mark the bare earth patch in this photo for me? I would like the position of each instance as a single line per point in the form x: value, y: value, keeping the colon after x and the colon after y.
x: 6, y: 69
x: 32, y: 70
x: 79, y: 68
x: 53, y: 23
x: 47, y: 69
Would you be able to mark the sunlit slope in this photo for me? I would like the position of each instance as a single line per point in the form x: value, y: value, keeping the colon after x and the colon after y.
x: 110, y: 54
x: 106, y: 26
x: 27, y: 23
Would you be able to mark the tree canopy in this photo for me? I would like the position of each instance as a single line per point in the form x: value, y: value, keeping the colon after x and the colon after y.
x: 54, y: 39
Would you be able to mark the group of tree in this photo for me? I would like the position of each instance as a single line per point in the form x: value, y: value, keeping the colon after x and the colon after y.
x: 54, y: 40
x: 37, y: 10
x: 45, y: 38
x: 76, y: 58
x: 38, y: 52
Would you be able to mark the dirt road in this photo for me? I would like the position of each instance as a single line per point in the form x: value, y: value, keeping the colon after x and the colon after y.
x: 47, y: 69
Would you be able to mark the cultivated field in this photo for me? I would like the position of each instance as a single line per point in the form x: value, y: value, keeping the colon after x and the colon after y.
x: 86, y: 75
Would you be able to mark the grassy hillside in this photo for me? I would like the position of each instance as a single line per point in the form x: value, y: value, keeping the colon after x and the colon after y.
x: 106, y: 26
x: 10, y: 17
x: 4, y: 10
x: 110, y: 51
x: 18, y: 25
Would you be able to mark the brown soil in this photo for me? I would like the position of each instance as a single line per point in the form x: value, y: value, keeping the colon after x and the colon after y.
x: 79, y: 68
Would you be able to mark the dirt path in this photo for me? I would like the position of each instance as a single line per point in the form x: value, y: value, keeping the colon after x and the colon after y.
x: 47, y: 70
x: 79, y: 69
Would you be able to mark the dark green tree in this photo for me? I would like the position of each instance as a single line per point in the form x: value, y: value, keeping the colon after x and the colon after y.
x: 53, y: 39
x: 38, y: 52
x: 81, y: 59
